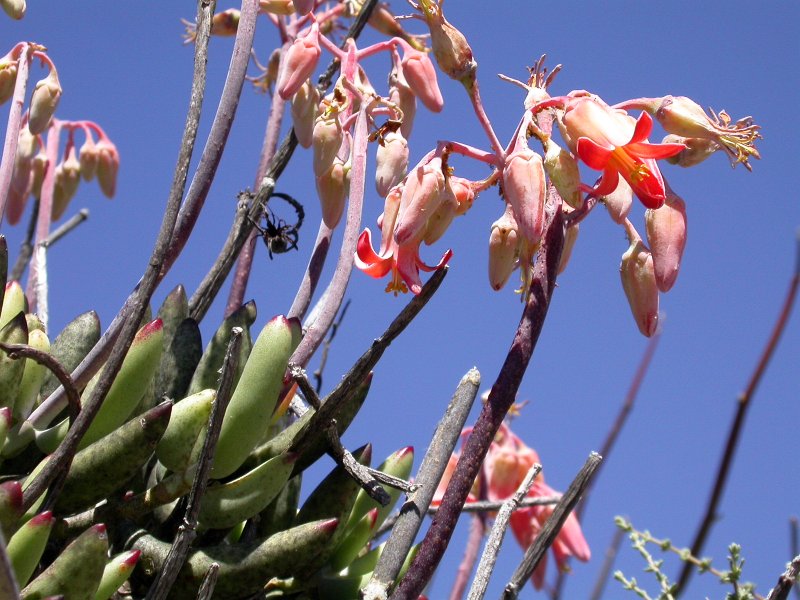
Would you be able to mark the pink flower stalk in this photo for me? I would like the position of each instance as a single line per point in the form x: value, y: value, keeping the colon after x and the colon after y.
x: 610, y: 141
x: 402, y: 260
x: 299, y: 62
x: 420, y: 74
x: 666, y: 229
x: 639, y: 282
x: 523, y: 187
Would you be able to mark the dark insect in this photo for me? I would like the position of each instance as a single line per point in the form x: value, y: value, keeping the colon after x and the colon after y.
x: 280, y: 236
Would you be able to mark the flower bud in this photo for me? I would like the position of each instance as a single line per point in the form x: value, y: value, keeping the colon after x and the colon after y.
x: 562, y: 168
x: 639, y: 282
x: 326, y: 140
x: 68, y: 176
x: 401, y: 95
x: 391, y: 161
x: 421, y: 77
x: 332, y: 187
x: 8, y: 78
x: 44, y: 101
x: 14, y: 8
x: 299, y: 62
x: 422, y: 195
x: 619, y: 202
x: 18, y: 192
x: 88, y: 158
x: 276, y: 7
x: 523, y: 188
x: 303, y: 7
x: 450, y: 47
x: 503, y: 249
x: 666, y: 229
x: 38, y: 167
x: 697, y: 150
x: 464, y: 193
x: 304, y: 112
x: 107, y: 166
x: 226, y: 23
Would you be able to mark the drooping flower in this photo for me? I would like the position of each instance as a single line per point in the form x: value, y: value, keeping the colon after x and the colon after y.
x: 666, y: 229
x: 420, y: 74
x: 401, y: 259
x: 638, y: 277
x: 299, y: 62
x: 611, y: 141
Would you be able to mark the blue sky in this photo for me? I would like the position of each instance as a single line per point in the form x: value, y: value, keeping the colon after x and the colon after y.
x: 122, y: 64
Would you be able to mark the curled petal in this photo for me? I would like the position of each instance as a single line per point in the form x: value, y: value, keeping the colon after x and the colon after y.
x: 367, y: 260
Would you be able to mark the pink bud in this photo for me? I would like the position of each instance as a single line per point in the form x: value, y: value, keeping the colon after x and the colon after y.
x: 276, y: 7
x: 523, y: 188
x: 332, y: 189
x: 422, y: 195
x: 440, y: 220
x: 421, y: 77
x: 38, y: 166
x: 303, y: 7
x: 639, y: 282
x: 464, y: 192
x: 401, y: 95
x: 107, y: 166
x: 391, y: 162
x: 619, y: 202
x: 299, y: 62
x: 18, y: 194
x: 503, y: 249
x: 326, y: 140
x: 88, y: 157
x: 14, y: 8
x: 44, y: 101
x: 304, y: 111
x: 68, y: 176
x: 562, y: 168
x: 8, y: 78
x: 697, y: 150
x: 666, y: 229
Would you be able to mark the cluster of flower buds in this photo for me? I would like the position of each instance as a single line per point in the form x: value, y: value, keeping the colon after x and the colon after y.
x: 506, y: 464
x: 46, y: 92
x: 95, y: 159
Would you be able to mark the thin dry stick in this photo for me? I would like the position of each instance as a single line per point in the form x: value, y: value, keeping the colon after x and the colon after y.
x: 611, y: 438
x: 786, y: 581
x: 129, y: 311
x: 188, y: 529
x: 551, y: 528
x: 430, y: 473
x: 494, y: 411
x: 67, y: 226
x: 497, y: 533
x: 608, y: 564
x: 366, y: 362
x: 354, y: 468
x: 49, y: 362
x: 206, y: 590
x: 138, y: 300
x: 743, y: 402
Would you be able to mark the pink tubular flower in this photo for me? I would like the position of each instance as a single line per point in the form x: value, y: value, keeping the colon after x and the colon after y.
x: 400, y: 259
x: 299, y: 63
x: 610, y: 141
x: 420, y: 74
x: 639, y: 282
x: 666, y: 229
